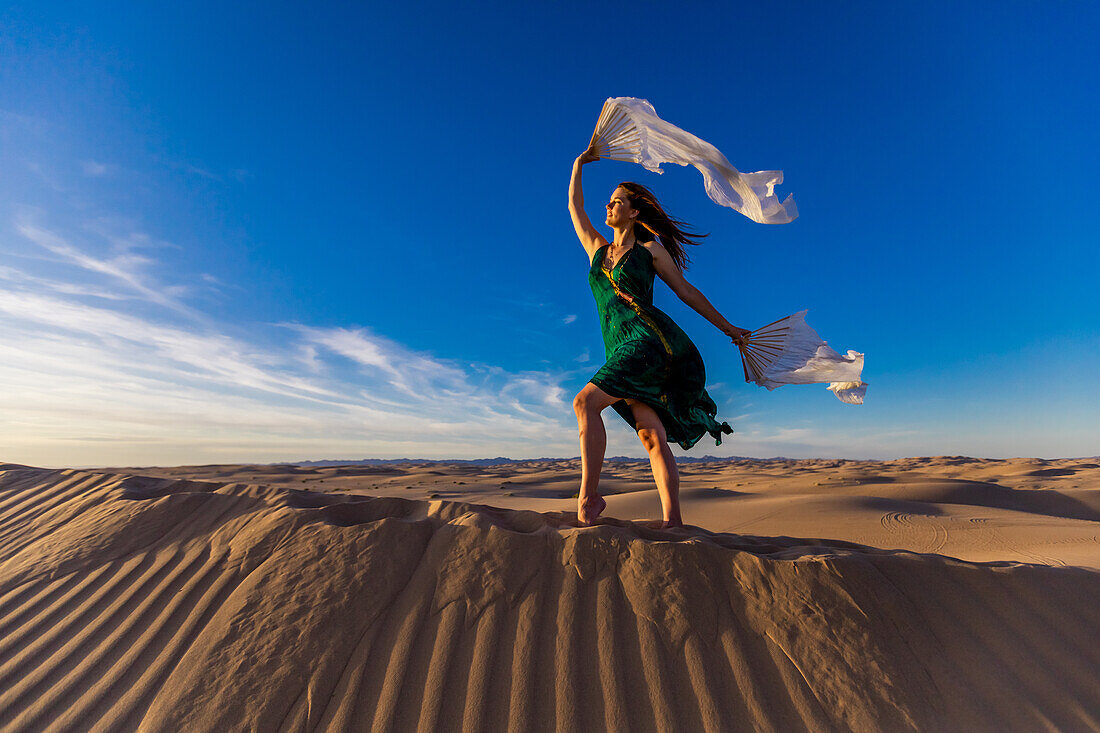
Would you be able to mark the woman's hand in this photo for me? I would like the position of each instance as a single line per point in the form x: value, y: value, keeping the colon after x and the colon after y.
x: 735, y: 333
x: 587, y: 157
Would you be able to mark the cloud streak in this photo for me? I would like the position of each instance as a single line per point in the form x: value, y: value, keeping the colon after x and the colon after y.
x: 94, y: 169
x: 125, y: 267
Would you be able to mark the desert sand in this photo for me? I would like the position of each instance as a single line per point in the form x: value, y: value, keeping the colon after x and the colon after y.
x: 930, y: 594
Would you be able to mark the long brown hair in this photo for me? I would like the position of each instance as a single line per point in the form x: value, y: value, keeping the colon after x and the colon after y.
x: 653, y: 221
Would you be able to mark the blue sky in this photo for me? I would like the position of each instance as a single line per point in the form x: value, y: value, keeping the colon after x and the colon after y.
x: 253, y: 232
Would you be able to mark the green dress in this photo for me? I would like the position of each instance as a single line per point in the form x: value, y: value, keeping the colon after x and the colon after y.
x: 649, y: 358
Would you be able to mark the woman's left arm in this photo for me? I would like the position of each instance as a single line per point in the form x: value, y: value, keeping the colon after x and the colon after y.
x: 674, y: 278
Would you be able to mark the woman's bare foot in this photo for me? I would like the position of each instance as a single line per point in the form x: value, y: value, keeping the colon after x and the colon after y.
x: 589, y: 509
x: 664, y: 524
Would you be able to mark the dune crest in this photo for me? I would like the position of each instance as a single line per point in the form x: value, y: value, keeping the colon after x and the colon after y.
x: 137, y: 603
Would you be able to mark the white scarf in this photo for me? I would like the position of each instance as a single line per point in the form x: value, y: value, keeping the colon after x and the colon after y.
x: 752, y: 194
x: 807, y: 359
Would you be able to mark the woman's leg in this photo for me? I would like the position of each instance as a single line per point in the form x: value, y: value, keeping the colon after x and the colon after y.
x: 588, y: 404
x: 661, y: 460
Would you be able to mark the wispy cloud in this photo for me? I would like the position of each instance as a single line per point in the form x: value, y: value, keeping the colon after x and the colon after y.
x: 448, y: 387
x: 240, y: 175
x: 202, y: 172
x: 207, y: 356
x: 125, y: 266
x: 94, y: 169
x: 57, y: 286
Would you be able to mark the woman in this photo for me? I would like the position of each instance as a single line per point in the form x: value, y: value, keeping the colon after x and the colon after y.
x: 654, y: 376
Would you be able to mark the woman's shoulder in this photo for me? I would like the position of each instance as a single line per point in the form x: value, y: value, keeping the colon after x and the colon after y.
x: 660, y: 257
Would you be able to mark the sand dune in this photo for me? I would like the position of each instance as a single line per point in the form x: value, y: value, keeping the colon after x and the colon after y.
x: 163, y: 603
x: 1024, y: 509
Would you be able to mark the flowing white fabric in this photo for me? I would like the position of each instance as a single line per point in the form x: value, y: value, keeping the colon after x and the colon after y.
x: 850, y: 392
x: 805, y: 359
x: 752, y: 194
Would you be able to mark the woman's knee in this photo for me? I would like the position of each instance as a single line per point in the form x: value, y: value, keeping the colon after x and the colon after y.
x: 651, y: 439
x: 586, y: 405
x: 591, y: 400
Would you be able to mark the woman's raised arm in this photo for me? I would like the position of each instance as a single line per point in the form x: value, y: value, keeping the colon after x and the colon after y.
x: 590, y: 238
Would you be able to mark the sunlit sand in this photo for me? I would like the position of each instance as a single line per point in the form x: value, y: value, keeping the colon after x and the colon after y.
x: 942, y: 593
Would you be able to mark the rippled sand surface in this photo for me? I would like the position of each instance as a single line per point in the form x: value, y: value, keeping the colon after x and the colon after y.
x: 919, y: 594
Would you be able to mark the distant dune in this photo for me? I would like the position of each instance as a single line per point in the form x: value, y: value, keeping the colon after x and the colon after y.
x: 235, y: 599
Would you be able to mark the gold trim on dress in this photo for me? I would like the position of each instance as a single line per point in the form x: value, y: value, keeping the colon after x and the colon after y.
x: 629, y: 300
